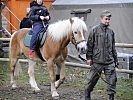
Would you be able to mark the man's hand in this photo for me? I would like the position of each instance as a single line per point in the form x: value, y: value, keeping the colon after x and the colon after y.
x: 89, y: 62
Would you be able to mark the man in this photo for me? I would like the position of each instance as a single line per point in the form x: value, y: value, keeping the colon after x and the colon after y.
x: 102, y: 56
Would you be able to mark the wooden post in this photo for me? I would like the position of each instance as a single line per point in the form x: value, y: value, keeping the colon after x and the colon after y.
x: 1, y: 42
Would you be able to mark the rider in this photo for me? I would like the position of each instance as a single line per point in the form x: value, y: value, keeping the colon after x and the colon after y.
x: 40, y: 17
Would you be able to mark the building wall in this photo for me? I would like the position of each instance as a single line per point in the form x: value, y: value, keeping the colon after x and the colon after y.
x: 19, y: 9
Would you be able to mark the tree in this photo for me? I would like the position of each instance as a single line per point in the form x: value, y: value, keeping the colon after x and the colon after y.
x: 2, y: 5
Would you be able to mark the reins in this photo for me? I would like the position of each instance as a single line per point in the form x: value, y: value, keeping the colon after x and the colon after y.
x: 75, y: 42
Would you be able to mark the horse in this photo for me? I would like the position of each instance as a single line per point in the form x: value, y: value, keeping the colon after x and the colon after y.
x: 54, y: 50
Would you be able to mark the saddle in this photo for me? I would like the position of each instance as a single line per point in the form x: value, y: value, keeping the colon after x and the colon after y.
x: 40, y: 41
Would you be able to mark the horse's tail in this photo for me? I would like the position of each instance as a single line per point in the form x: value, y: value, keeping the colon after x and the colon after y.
x: 14, y: 51
x: 10, y: 45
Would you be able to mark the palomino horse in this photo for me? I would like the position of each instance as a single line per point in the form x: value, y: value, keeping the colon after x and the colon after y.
x: 54, y: 50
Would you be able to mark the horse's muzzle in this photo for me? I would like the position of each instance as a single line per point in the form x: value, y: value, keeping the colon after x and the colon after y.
x: 81, y: 47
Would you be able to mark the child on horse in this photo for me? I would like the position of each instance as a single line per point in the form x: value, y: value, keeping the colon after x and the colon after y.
x: 40, y: 17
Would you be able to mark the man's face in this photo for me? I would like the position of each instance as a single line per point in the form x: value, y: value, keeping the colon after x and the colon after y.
x: 105, y: 20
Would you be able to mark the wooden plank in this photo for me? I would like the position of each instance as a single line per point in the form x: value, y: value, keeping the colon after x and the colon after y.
x: 71, y: 64
x: 5, y: 39
x: 124, y: 45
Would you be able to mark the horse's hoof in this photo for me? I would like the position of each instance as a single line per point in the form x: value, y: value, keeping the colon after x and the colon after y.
x: 36, y: 90
x: 55, y: 98
x: 57, y: 84
x: 14, y: 86
x: 55, y: 95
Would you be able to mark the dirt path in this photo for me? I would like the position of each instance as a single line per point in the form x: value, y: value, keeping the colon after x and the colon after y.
x: 66, y: 93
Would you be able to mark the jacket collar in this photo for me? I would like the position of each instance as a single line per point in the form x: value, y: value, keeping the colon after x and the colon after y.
x: 103, y: 26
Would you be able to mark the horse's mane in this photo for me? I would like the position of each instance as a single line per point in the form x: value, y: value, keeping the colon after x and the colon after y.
x: 62, y: 28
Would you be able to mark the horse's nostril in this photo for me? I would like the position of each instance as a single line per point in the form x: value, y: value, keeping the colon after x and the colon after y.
x: 82, y: 49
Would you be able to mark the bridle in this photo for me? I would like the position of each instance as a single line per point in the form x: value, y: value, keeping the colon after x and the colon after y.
x: 75, y: 42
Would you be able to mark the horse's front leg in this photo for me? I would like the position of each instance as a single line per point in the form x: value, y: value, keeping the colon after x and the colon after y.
x: 32, y: 81
x: 61, y: 73
x: 54, y: 93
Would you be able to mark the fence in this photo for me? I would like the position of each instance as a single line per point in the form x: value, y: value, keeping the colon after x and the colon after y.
x: 121, y: 45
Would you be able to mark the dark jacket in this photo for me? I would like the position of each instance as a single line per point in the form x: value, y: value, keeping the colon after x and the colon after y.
x: 25, y: 23
x: 101, y: 45
x: 37, y: 11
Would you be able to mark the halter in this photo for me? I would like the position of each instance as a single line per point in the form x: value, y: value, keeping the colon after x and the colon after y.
x: 75, y: 42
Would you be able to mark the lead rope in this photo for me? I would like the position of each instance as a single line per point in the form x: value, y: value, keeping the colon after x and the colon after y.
x: 96, y: 70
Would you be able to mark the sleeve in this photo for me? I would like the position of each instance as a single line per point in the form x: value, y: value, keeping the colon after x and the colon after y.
x: 47, y: 14
x: 32, y: 15
x: 90, y: 45
x: 114, y: 50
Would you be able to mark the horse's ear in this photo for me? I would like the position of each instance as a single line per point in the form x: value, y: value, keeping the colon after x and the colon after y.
x: 82, y: 18
x: 71, y: 21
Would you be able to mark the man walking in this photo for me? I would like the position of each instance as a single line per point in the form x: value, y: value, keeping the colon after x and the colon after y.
x: 101, y: 55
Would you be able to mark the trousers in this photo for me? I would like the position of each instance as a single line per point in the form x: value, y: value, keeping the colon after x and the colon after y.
x: 110, y: 77
x: 37, y: 27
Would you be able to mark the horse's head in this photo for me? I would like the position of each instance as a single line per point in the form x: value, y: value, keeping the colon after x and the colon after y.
x: 77, y: 37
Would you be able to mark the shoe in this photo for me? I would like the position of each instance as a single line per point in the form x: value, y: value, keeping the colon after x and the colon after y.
x: 87, y: 95
x: 31, y: 54
x: 111, y: 97
x: 87, y: 98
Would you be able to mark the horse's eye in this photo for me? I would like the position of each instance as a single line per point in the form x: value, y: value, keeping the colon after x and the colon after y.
x: 75, y: 32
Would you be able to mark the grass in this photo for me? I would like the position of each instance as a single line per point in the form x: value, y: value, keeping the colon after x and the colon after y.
x: 124, y: 88
x: 3, y: 72
x: 74, y: 77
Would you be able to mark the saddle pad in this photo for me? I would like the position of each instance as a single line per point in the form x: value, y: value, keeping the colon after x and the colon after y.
x: 41, y: 39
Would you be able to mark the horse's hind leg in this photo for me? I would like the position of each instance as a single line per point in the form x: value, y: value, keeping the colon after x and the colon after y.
x: 32, y: 80
x: 12, y: 69
x: 14, y: 54
x: 61, y: 69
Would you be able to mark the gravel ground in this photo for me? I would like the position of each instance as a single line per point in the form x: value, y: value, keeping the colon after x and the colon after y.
x: 66, y: 93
